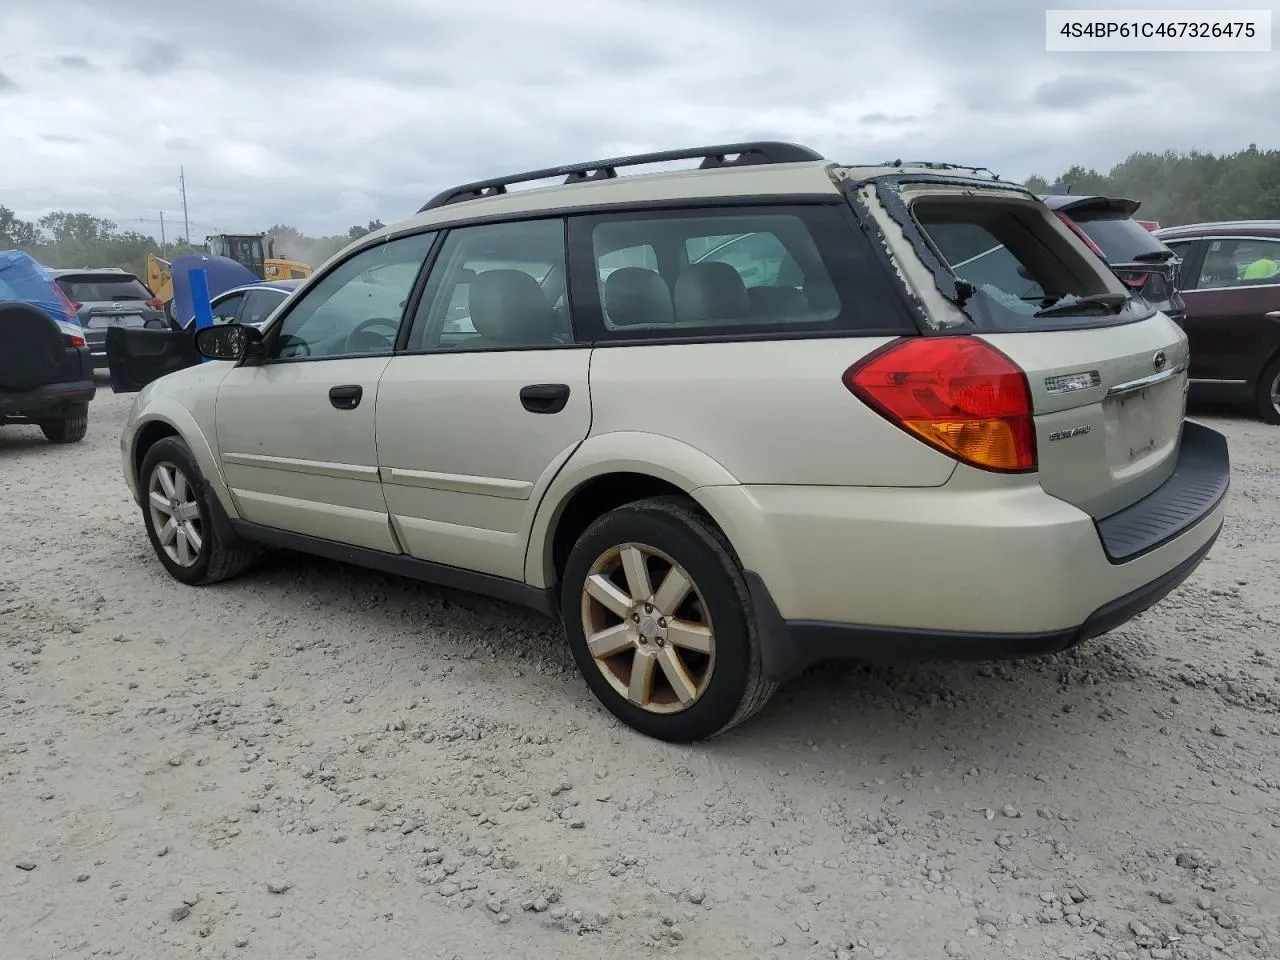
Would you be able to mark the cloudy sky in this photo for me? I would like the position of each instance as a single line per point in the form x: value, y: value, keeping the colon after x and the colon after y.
x: 362, y: 109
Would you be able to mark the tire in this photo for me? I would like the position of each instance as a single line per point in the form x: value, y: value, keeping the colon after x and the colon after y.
x: 68, y: 429
x: 727, y: 685
x: 31, y: 347
x: 1267, y: 394
x: 219, y: 555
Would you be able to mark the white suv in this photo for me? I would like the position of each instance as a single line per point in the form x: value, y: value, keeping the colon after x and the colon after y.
x: 723, y: 422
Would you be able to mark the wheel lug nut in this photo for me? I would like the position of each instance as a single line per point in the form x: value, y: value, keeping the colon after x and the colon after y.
x: 662, y: 621
x: 635, y: 618
x: 648, y: 608
x: 644, y: 641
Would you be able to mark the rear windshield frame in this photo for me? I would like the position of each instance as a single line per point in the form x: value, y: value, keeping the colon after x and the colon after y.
x: 982, y: 312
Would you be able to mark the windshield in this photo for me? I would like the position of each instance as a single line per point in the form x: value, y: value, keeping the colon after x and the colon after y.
x: 1120, y: 239
x: 99, y: 289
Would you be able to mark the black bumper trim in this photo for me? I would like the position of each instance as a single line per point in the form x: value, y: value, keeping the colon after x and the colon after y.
x: 50, y: 396
x: 788, y: 647
x: 1195, y: 488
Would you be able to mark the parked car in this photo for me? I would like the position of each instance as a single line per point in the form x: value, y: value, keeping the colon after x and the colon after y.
x: 109, y: 297
x: 251, y: 304
x: 1128, y: 245
x: 1231, y: 282
x: 46, y: 373
x: 719, y: 468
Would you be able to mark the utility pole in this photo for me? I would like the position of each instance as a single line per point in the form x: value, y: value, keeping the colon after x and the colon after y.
x: 164, y: 247
x: 186, y: 224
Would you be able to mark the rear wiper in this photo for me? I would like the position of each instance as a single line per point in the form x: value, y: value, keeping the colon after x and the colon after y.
x: 1071, y: 304
x: 1154, y: 256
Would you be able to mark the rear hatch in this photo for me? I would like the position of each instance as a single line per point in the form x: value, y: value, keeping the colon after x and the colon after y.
x: 1106, y: 371
x: 1138, y: 258
x: 111, y: 300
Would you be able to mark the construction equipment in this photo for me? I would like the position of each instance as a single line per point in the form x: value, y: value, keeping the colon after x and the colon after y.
x: 256, y: 252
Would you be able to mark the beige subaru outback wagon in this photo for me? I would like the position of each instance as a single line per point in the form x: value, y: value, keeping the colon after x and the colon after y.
x: 723, y: 422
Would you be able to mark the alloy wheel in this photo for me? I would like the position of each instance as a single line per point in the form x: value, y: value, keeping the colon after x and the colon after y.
x: 175, y: 514
x: 655, y: 645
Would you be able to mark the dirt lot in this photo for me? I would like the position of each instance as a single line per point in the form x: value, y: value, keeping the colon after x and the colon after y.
x: 318, y: 761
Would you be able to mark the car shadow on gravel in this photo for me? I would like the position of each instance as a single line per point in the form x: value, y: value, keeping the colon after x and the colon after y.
x: 941, y: 712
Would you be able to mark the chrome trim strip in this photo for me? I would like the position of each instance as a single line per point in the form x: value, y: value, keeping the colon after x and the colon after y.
x: 1133, y: 386
x: 1234, y: 383
x: 315, y: 468
x: 458, y: 483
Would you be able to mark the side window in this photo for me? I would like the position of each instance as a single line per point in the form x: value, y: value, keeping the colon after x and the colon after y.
x: 496, y: 286
x: 1239, y: 263
x: 258, y: 305
x: 357, y: 308
x: 741, y: 271
x: 225, y: 310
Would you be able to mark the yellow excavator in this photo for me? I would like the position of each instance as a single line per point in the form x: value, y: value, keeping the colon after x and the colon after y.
x: 254, y: 251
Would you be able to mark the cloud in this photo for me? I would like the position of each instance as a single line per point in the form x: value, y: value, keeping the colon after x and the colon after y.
x: 1082, y: 90
x: 73, y: 61
x: 361, y: 111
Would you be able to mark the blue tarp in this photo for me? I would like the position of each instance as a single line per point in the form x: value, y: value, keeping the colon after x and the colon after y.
x: 223, y: 273
x: 23, y: 279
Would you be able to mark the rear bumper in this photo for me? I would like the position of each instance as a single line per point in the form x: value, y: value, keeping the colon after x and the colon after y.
x: 956, y: 573
x: 45, y: 399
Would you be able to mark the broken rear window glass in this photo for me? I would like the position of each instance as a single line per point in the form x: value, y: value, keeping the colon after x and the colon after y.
x: 1021, y: 272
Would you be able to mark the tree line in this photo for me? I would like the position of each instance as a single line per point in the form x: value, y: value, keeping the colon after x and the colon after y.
x: 65, y: 239
x: 1173, y: 188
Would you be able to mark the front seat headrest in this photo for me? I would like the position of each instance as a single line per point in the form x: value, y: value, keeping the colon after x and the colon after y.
x: 634, y: 295
x: 508, y: 306
x: 710, y: 291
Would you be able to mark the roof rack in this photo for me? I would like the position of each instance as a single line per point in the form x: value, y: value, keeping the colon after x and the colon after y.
x: 744, y: 154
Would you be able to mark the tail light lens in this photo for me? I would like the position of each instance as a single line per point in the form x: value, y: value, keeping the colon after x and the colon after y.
x: 75, y: 304
x: 73, y: 340
x: 155, y: 303
x: 958, y: 394
x: 1135, y: 281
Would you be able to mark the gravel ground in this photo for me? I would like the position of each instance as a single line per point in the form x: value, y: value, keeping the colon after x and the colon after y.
x: 319, y: 761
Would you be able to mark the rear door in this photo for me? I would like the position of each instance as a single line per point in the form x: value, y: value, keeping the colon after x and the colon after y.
x: 488, y: 400
x: 136, y: 357
x: 1107, y: 376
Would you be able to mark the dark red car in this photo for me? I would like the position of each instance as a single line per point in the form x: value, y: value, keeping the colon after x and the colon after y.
x: 1230, y: 281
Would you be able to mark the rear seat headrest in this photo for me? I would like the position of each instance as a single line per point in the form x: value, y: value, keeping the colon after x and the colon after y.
x: 634, y: 295
x: 710, y: 291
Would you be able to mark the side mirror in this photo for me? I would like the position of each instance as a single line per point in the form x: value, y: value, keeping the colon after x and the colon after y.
x: 228, y: 341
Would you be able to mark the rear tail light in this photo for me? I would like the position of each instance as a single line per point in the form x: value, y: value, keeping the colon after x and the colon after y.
x: 75, y: 304
x: 958, y: 394
x: 1135, y: 281
x: 73, y: 340
x: 155, y: 303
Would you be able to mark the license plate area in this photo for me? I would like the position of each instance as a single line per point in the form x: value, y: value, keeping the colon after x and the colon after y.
x: 114, y: 320
x: 1142, y: 424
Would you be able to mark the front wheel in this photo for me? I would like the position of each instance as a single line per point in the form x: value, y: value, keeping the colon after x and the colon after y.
x: 179, y: 512
x: 658, y: 619
x: 1268, y: 396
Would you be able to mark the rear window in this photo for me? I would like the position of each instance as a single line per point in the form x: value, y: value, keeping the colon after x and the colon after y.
x: 1120, y: 239
x: 1024, y: 274
x: 96, y: 289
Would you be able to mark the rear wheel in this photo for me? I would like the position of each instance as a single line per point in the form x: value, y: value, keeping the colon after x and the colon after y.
x: 658, y: 619
x: 182, y: 518
x: 70, y: 428
x: 1268, y: 395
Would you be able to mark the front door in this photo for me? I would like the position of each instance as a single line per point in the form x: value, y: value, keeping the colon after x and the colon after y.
x: 1233, y: 302
x: 296, y: 432
x: 488, y: 400
x: 136, y: 356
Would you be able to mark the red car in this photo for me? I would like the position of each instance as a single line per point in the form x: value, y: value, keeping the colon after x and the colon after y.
x: 1230, y: 281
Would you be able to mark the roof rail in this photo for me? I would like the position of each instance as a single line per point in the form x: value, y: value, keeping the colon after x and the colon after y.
x: 745, y: 154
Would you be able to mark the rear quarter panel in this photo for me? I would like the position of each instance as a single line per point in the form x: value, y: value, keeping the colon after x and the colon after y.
x: 766, y: 411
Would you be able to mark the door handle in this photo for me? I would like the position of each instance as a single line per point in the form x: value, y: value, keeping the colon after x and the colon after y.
x: 346, y: 397
x: 545, y: 397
